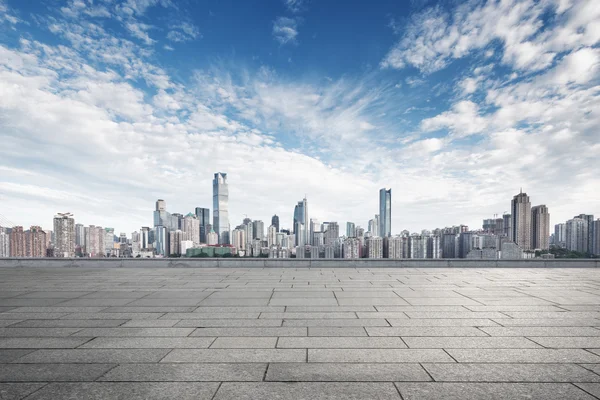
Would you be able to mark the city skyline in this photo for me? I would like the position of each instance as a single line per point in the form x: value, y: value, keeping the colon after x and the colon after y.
x: 109, y: 105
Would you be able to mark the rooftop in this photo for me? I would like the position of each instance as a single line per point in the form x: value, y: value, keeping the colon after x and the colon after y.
x: 294, y: 333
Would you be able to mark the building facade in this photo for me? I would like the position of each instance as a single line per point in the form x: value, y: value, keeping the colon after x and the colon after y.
x: 540, y: 228
x: 203, y: 215
x: 385, y: 212
x: 17, y: 242
x: 221, y: 207
x: 191, y: 228
x: 375, y: 247
x: 64, y: 235
x: 35, y: 242
x: 521, y: 221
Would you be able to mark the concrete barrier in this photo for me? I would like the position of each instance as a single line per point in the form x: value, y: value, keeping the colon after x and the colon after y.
x: 289, y: 263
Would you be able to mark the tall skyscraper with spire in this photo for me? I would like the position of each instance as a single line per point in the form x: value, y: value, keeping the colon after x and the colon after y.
x: 521, y: 220
x: 221, y: 207
x: 385, y: 212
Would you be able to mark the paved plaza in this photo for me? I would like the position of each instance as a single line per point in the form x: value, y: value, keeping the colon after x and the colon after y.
x: 274, y: 333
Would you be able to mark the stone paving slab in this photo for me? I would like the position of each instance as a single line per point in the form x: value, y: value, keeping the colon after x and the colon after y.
x: 296, y: 333
x: 127, y: 391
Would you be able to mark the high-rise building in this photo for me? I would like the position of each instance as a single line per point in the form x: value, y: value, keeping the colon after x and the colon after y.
x: 191, y: 228
x: 521, y: 221
x: 79, y: 235
x: 271, y: 235
x: 221, y: 207
x: 577, y: 235
x: 64, y: 235
x: 590, y: 232
x: 350, y: 229
x: 385, y: 212
x: 212, y: 238
x: 109, y: 241
x: 332, y: 232
x: 17, y: 242
x: 392, y: 247
x: 465, y: 244
x: 318, y: 239
x: 161, y: 241
x: 374, y: 247
x: 275, y: 222
x: 301, y: 222
x: 507, y: 218
x: 249, y: 228
x: 560, y: 235
x: 417, y: 246
x: 35, y: 242
x: 352, y: 248
x: 449, y: 245
x: 175, y: 239
x: 145, y: 238
x: 161, y: 205
x: 203, y: 215
x: 540, y: 227
x: 4, y: 243
x: 314, y: 226
x: 238, y: 239
x: 258, y: 228
x: 434, y: 247
x: 596, y: 238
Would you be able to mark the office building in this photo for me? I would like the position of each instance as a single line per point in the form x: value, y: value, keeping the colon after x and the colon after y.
x: 507, y: 228
x: 521, y: 221
x: 540, y: 228
x: 109, y: 241
x: 301, y: 222
x: 203, y: 215
x: 238, y: 238
x: 332, y: 233
x: 450, y: 245
x: 145, y: 238
x: 162, y: 241
x: 350, y: 229
x: 258, y: 228
x: 385, y: 212
x: 64, y: 235
x: 275, y: 222
x: 596, y: 238
x: 221, y: 207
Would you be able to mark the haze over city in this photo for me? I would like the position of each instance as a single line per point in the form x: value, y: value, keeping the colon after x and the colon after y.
x: 107, y: 106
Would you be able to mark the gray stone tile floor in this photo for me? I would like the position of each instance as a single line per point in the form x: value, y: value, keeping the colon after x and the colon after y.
x: 274, y: 333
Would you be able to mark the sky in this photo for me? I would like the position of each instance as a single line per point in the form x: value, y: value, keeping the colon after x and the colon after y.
x: 108, y: 105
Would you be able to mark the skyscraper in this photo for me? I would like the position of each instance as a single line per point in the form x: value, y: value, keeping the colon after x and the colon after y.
x: 350, y: 229
x: 275, y: 222
x: 258, y: 227
x: 109, y: 241
x: 590, y: 232
x: 64, y: 235
x: 385, y: 212
x: 221, y: 207
x: 301, y: 221
x: 576, y: 235
x: 145, y: 238
x: 507, y: 218
x: 560, y: 235
x: 79, y: 235
x: 271, y: 236
x: 203, y: 215
x: 596, y: 238
x: 521, y: 221
x: 191, y: 228
x: 540, y: 227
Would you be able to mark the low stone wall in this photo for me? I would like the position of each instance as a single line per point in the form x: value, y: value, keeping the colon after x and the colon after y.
x: 288, y: 263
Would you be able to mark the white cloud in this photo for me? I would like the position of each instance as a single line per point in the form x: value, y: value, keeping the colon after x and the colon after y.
x: 294, y: 5
x: 140, y: 31
x: 434, y: 37
x: 285, y: 30
x: 463, y: 120
x: 183, y: 32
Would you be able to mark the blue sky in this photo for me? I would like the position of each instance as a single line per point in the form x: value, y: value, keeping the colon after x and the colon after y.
x: 106, y: 105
